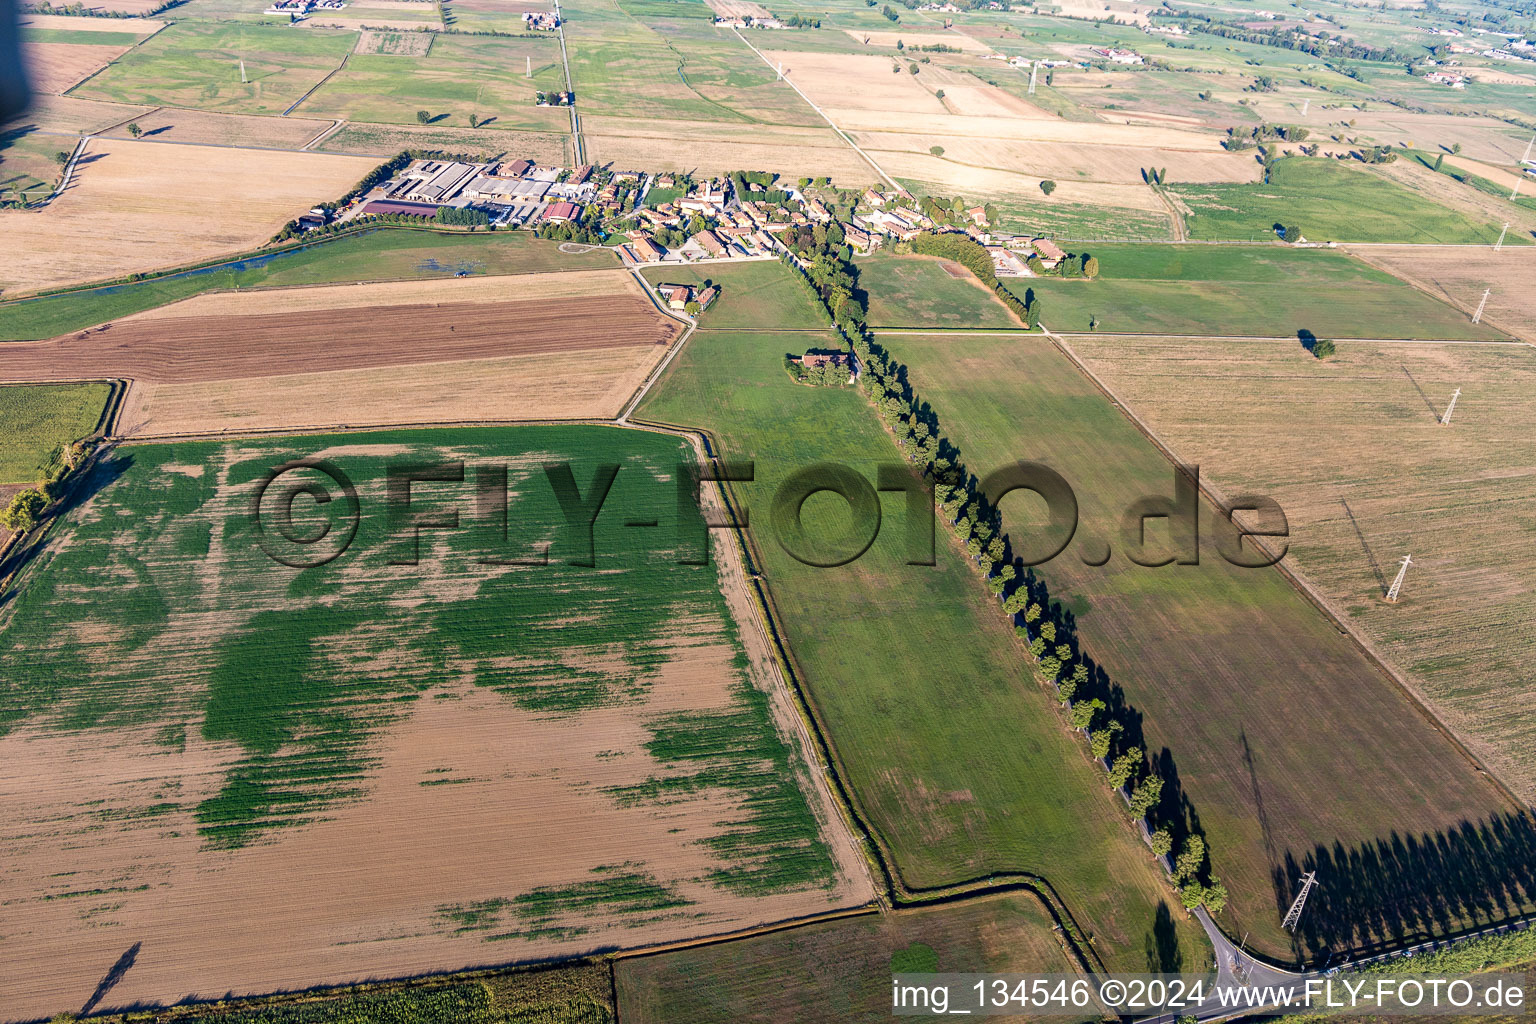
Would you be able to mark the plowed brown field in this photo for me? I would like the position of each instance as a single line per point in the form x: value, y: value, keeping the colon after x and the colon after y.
x: 275, y: 344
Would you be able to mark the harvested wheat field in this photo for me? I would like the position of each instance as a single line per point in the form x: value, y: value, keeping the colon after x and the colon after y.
x: 1059, y: 161
x: 171, y: 124
x: 451, y: 762
x: 399, y: 44
x: 713, y: 148
x: 738, y: 9
x: 139, y: 188
x: 916, y: 40
x: 968, y: 179
x: 70, y: 114
x: 74, y: 23
x: 58, y: 67
x: 1449, y: 273
x: 1457, y: 498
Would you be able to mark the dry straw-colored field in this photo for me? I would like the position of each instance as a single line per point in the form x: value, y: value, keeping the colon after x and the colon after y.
x: 171, y: 124
x: 71, y: 114
x: 716, y: 148
x: 126, y: 209
x: 1452, y: 274
x: 1457, y: 498
x: 57, y: 67
x: 481, y: 825
x: 138, y: 26
x: 402, y: 44
x: 913, y: 40
x: 738, y: 9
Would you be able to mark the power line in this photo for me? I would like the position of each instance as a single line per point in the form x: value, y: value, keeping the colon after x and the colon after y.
x: 1478, y: 316
x: 1450, y: 408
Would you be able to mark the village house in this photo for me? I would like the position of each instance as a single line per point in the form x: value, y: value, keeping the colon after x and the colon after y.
x: 1455, y: 81
x: 857, y: 238
x: 710, y: 242
x: 707, y: 297
x: 1050, y: 253
x: 1116, y: 55
x: 647, y: 248
x: 978, y: 215
x: 677, y: 296
x: 817, y: 211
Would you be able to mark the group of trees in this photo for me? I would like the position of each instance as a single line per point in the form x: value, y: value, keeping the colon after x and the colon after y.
x: 797, y: 21
x: 1049, y: 636
x: 825, y: 375
x: 833, y: 282
x: 1154, y: 175
x: 1325, y: 45
x: 462, y: 216
x: 26, y: 506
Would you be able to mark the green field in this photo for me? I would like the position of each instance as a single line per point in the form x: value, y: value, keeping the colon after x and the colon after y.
x: 751, y: 294
x: 197, y: 64
x: 917, y: 291
x: 1023, y: 215
x: 664, y: 59
x: 387, y: 254
x: 579, y: 994
x: 463, y: 75
x: 838, y: 972
x: 1268, y: 291
x: 287, y: 677
x: 1330, y: 202
x: 86, y: 37
x: 953, y: 749
x: 1257, y: 703
x: 38, y: 420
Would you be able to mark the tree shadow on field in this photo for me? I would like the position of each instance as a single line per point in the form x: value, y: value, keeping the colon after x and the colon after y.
x: 1406, y: 888
x: 80, y: 488
x: 1162, y: 946
x: 116, y: 974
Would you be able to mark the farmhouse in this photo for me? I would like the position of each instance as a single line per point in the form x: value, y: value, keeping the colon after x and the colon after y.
x: 387, y: 207
x: 1116, y: 55
x: 514, y: 169
x: 1006, y: 262
x: 443, y: 185
x: 711, y: 242
x: 1455, y: 81
x: 544, y: 21
x: 561, y: 212
x: 648, y: 249
x: 857, y: 237
x: 1050, y: 253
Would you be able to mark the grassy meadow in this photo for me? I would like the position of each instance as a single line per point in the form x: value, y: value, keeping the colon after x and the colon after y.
x: 197, y: 64
x: 1252, y: 701
x: 955, y: 753
x: 38, y: 420
x: 837, y: 972
x: 1267, y: 291
x: 386, y: 254
x: 1329, y: 201
x: 751, y: 294
x: 917, y: 291
x: 156, y: 605
x: 483, y: 76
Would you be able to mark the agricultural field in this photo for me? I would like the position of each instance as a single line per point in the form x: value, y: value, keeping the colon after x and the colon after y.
x: 1410, y: 486
x: 575, y: 345
x: 570, y: 994
x: 751, y: 294
x: 400, y: 44
x: 459, y: 77
x: 667, y: 61
x: 716, y: 148
x: 387, y: 254
x: 1451, y: 277
x: 38, y: 420
x: 1268, y: 291
x: 197, y: 64
x: 1205, y: 654
x: 954, y: 752
x: 908, y: 291
x: 1330, y: 202
x: 838, y: 971
x: 57, y: 67
x: 243, y: 130
x: 623, y: 720
x: 137, y: 189
x: 385, y: 140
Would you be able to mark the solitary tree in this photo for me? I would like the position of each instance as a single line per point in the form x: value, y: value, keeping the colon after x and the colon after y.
x: 474, y: 121
x: 1047, y: 186
x: 1093, y: 321
x: 1091, y: 267
x: 1291, y: 233
x: 936, y: 150
x: 61, y: 157
x: 1322, y: 348
x: 691, y: 307
x: 134, y: 129
x: 423, y: 116
x: 1439, y: 160
x: 21, y: 514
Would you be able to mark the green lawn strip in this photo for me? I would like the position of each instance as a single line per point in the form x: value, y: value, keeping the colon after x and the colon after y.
x: 1204, y: 653
x: 838, y: 971
x: 1328, y: 201
x: 952, y: 748
x: 288, y: 676
x: 751, y: 294
x: 1267, y: 291
x: 917, y: 291
x: 385, y: 254
x: 37, y: 421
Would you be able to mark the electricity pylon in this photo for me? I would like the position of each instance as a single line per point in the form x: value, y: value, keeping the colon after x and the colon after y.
x: 1500, y: 243
x: 1397, y: 584
x: 1293, y: 915
x: 1034, y: 72
x: 1450, y: 408
x: 1479, y: 314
